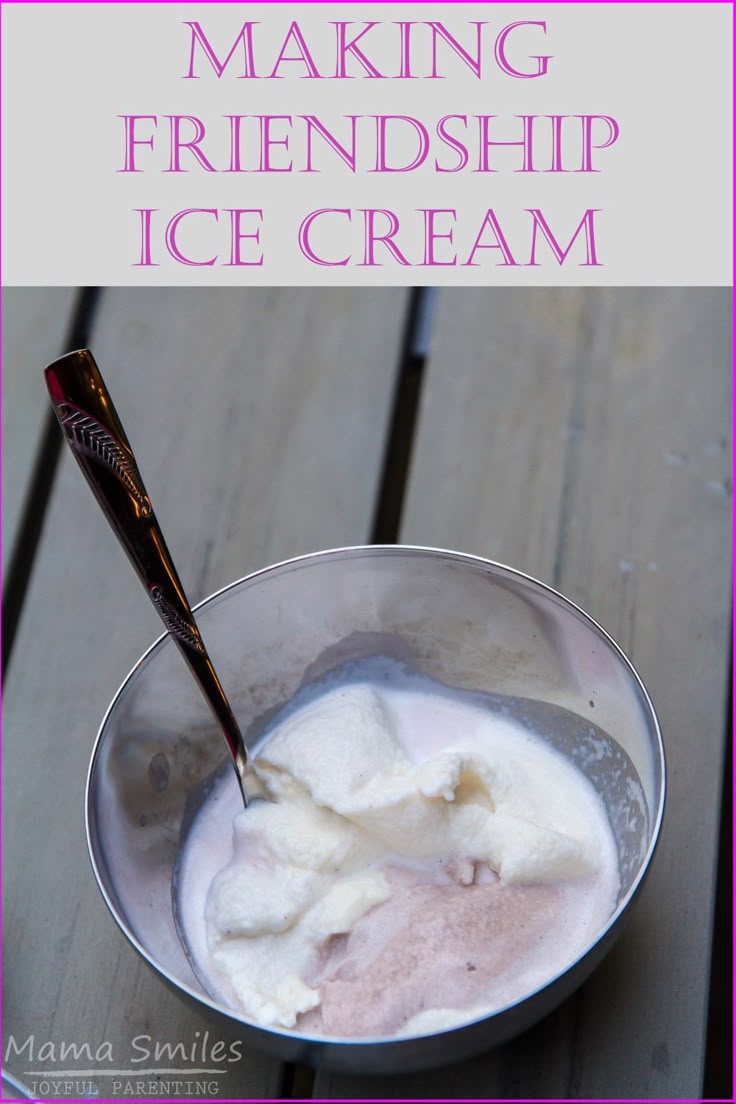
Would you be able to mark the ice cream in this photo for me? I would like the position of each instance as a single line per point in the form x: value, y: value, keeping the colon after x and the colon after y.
x: 425, y: 861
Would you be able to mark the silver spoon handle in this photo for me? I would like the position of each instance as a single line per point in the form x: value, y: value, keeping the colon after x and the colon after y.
x: 96, y: 436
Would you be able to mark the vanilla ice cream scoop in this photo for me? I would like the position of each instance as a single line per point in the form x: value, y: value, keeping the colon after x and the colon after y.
x: 512, y: 811
x: 376, y: 819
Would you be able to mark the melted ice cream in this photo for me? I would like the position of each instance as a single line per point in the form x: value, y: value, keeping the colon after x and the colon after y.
x: 426, y: 861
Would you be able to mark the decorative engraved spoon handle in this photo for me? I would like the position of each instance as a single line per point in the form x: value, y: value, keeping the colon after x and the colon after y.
x: 96, y: 437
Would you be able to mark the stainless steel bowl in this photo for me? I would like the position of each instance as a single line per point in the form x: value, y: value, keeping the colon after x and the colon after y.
x: 13, y: 1089
x: 464, y: 621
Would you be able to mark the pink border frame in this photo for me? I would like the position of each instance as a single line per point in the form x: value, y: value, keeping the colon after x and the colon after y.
x: 448, y: 1100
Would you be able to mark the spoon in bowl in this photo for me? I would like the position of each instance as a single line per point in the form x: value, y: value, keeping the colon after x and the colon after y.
x: 96, y: 436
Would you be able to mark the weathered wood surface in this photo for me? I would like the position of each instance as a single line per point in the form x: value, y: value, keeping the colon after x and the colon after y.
x: 35, y: 321
x: 258, y: 419
x: 584, y: 437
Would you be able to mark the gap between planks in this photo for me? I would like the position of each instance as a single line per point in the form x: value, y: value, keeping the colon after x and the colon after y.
x: 30, y: 527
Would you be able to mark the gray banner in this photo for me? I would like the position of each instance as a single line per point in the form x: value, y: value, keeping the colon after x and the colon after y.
x: 367, y: 144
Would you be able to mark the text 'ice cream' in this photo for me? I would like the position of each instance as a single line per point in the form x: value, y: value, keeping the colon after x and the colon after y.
x: 425, y: 861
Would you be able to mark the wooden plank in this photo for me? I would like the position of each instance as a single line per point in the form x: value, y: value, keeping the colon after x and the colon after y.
x: 35, y: 321
x: 584, y: 437
x: 258, y: 419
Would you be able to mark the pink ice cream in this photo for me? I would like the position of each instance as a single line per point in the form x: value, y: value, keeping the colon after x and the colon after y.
x: 425, y: 862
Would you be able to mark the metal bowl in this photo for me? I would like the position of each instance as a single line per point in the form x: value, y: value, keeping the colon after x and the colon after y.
x: 465, y: 622
x: 13, y: 1089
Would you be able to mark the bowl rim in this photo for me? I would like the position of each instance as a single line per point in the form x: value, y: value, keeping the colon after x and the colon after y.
x: 396, y: 549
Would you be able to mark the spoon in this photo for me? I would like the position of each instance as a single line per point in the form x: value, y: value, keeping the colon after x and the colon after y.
x: 96, y: 436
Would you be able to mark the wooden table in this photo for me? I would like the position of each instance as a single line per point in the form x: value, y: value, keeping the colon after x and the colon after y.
x: 580, y: 435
